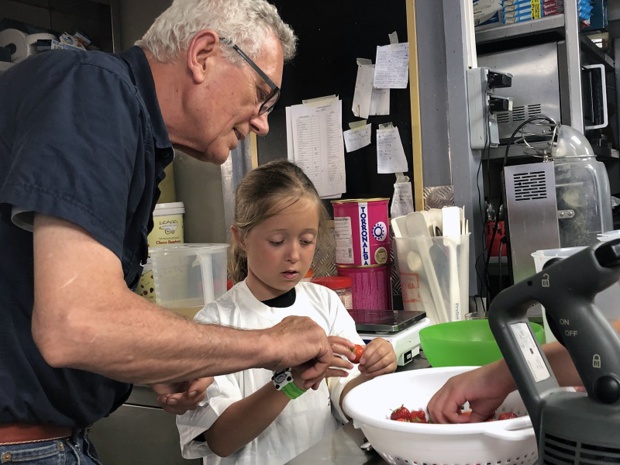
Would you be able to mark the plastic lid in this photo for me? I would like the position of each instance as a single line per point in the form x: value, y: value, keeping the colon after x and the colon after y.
x: 171, y: 208
x: 571, y: 143
x: 334, y: 282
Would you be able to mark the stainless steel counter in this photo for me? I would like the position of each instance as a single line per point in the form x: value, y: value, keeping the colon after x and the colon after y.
x: 343, y: 447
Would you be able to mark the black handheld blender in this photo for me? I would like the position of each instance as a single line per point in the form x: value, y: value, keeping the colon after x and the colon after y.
x: 570, y: 427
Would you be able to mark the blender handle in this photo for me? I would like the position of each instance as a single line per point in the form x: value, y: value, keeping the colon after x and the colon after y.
x: 566, y: 289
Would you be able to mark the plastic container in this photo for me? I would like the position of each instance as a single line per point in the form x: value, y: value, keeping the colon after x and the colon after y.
x: 309, y: 275
x: 582, y: 190
x: 493, y: 442
x: 341, y: 285
x: 434, y: 275
x: 370, y: 286
x: 187, y: 276
x: 361, y: 230
x: 464, y: 343
x: 167, y: 225
x: 607, y: 300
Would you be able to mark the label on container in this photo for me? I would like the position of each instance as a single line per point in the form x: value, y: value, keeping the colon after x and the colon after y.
x: 167, y: 230
x: 343, y: 236
x: 362, y: 232
x: 346, y: 297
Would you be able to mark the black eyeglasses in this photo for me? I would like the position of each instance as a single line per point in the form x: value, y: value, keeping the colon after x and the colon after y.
x: 274, y: 95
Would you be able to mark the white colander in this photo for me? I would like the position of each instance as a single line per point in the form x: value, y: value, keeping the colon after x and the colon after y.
x: 499, y: 442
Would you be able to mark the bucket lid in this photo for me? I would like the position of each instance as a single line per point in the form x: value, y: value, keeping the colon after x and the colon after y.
x: 195, y: 248
x: 172, y: 208
x: 376, y: 199
x: 334, y: 282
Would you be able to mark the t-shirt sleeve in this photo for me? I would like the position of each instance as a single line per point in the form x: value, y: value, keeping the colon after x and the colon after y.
x: 223, y: 392
x: 75, y: 150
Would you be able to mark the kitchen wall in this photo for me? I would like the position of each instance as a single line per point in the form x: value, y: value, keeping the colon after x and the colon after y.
x: 198, y: 185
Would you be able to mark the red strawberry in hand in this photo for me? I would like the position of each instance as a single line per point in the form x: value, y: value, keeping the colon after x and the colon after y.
x: 358, y: 350
x: 401, y: 413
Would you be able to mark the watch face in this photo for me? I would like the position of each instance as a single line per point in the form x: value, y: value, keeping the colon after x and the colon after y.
x: 281, y: 378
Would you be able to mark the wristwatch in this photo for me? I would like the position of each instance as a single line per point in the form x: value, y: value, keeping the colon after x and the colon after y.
x: 283, y: 381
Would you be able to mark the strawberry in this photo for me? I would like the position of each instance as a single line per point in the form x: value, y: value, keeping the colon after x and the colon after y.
x: 358, y: 350
x: 506, y: 415
x: 417, y: 416
x: 400, y: 414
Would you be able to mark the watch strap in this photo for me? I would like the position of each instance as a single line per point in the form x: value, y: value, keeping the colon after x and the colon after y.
x: 292, y: 391
x: 283, y: 381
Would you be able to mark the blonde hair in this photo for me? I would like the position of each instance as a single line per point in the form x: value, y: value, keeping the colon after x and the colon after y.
x: 245, y: 23
x: 264, y: 192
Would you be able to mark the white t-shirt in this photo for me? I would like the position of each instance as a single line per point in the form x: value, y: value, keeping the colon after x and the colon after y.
x: 305, y: 420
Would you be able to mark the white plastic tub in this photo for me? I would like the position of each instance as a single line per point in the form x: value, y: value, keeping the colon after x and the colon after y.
x: 498, y: 442
x: 188, y: 276
x: 608, y: 301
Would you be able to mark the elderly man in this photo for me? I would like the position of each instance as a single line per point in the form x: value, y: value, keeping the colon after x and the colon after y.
x: 84, y: 143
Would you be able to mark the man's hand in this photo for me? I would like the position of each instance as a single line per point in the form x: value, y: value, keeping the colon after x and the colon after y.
x: 178, y: 398
x: 299, y: 341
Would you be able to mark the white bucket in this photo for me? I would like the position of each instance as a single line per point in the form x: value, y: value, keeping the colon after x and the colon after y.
x: 608, y: 300
x: 168, y: 224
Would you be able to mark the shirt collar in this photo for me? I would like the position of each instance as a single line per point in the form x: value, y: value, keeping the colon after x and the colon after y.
x: 143, y: 79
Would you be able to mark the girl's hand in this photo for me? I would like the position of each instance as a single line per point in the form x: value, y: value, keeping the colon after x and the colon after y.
x: 379, y: 358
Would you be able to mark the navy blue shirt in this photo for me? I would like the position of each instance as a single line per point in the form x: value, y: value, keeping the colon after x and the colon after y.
x: 81, y: 138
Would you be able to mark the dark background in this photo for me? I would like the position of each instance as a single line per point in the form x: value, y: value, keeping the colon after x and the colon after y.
x: 332, y: 35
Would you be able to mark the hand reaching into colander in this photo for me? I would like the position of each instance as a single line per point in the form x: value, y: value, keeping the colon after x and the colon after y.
x: 485, y: 388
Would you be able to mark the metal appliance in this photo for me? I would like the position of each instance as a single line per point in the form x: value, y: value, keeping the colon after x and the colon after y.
x: 532, y: 214
x: 536, y: 86
x: 571, y: 427
x: 563, y: 201
x: 401, y: 328
x: 540, y: 87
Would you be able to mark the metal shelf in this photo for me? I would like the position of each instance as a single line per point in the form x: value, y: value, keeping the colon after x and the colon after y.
x: 599, y: 55
x: 514, y: 31
x: 546, y: 25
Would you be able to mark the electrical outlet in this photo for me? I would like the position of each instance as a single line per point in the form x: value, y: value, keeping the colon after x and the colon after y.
x: 482, y: 105
x: 478, y: 105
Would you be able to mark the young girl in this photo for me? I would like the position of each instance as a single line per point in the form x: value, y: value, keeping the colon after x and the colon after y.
x: 257, y: 416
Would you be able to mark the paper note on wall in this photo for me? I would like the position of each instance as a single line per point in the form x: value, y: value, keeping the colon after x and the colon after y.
x: 355, y: 139
x: 367, y: 99
x: 315, y: 143
x: 390, y: 153
x: 392, y: 66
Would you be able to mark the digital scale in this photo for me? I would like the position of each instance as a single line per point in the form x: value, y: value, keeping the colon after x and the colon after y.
x: 401, y: 328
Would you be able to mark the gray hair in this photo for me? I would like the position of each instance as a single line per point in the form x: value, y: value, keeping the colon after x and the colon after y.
x: 242, y: 22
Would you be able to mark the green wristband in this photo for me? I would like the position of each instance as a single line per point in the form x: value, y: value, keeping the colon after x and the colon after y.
x: 292, y: 391
x: 283, y: 381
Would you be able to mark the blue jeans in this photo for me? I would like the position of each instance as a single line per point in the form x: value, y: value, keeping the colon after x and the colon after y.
x: 76, y: 450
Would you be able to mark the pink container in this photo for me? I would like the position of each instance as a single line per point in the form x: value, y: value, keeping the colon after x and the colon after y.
x: 361, y: 230
x: 370, y: 286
